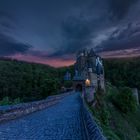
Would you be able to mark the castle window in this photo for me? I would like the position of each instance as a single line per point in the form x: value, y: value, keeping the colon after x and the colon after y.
x: 89, y: 69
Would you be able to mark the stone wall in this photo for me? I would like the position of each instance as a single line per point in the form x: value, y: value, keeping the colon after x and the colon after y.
x: 15, y: 111
x: 93, y: 131
x: 89, y: 94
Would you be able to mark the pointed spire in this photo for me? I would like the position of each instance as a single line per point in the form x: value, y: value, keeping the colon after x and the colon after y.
x: 92, y: 52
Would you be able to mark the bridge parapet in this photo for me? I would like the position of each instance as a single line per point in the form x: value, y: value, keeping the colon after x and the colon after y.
x: 93, y: 131
x: 11, y: 112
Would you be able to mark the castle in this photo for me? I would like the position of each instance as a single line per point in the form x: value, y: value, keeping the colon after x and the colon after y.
x: 89, y: 71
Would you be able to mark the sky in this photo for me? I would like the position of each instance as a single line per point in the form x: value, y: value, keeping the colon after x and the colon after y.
x: 52, y: 31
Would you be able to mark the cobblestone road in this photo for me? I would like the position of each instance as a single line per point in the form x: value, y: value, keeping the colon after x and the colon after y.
x: 60, y: 122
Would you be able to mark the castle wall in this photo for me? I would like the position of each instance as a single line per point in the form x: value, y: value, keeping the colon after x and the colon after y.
x: 93, y: 79
x: 86, y: 66
x: 89, y: 93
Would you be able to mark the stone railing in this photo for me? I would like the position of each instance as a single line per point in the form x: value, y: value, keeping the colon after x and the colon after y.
x: 92, y: 129
x: 10, y: 112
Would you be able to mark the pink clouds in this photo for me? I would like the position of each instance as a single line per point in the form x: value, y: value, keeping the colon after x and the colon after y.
x: 41, y: 57
x: 52, y: 62
x: 133, y: 52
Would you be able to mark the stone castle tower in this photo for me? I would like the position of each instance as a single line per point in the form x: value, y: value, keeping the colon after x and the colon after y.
x: 88, y: 67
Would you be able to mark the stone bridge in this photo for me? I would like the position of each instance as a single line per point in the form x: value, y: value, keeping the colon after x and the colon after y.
x: 66, y: 119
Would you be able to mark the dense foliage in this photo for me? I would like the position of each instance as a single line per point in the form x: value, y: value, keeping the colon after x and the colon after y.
x: 125, y: 100
x: 123, y: 72
x: 116, y: 111
x: 116, y: 124
x: 8, y: 101
x: 27, y: 82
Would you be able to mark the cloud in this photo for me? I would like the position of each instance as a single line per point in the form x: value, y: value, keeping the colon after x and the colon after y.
x: 9, y: 46
x: 77, y: 35
x: 122, y: 38
x: 119, y: 8
x: 59, y: 31
x: 95, y: 28
x: 7, y: 21
x: 131, y: 52
x: 78, y: 30
x: 52, y: 62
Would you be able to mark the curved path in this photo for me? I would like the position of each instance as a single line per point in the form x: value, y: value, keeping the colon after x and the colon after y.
x: 62, y: 121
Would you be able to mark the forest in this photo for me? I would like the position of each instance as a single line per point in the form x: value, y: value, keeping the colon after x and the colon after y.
x: 23, y: 82
x: 116, y: 111
x: 123, y: 72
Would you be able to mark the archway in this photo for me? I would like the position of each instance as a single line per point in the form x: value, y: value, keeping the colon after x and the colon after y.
x: 79, y: 87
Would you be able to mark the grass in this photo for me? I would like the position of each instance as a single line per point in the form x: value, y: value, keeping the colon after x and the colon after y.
x: 115, y: 124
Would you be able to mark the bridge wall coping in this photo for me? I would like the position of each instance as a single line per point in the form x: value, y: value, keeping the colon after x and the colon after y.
x: 11, y: 112
x: 93, y: 130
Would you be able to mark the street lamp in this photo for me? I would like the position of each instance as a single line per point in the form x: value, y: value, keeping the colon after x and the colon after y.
x: 87, y: 82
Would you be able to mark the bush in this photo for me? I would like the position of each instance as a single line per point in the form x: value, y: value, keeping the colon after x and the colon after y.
x: 5, y: 101
x: 110, y: 135
x: 17, y: 101
x: 104, y: 116
x: 125, y: 100
x: 68, y: 84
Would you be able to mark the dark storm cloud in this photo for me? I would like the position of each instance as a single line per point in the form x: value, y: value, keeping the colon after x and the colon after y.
x: 77, y: 35
x: 5, y: 15
x: 6, y: 20
x: 9, y: 46
x: 58, y: 29
x: 125, y: 38
x: 86, y: 30
x: 78, y: 30
x: 119, y: 8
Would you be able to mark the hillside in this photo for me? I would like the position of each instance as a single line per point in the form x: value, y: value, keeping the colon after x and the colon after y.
x: 123, y: 72
x: 115, y: 123
x: 23, y: 82
x: 115, y: 111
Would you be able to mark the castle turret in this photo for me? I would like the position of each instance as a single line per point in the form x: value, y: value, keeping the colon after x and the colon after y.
x: 89, y: 66
x: 92, y: 60
x: 81, y: 62
x: 100, y: 73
